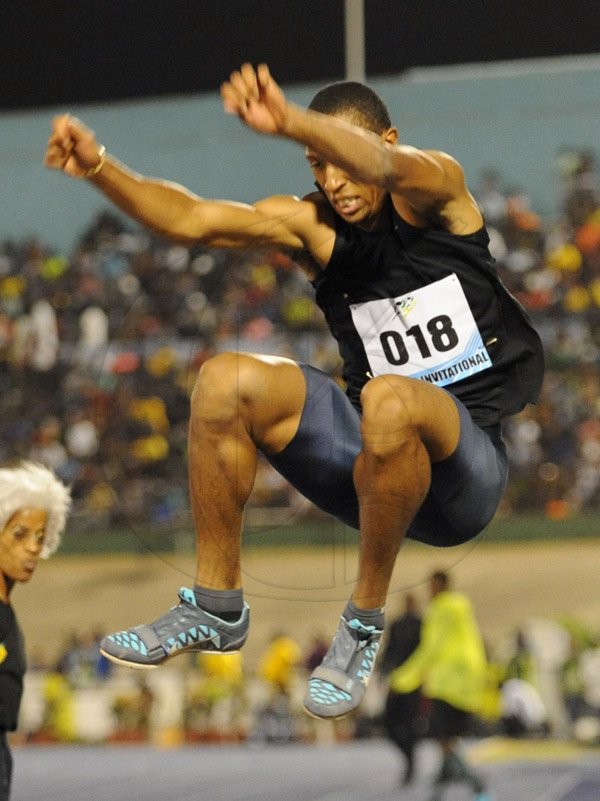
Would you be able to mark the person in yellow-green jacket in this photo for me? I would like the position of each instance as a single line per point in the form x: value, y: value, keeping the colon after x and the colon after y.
x: 450, y: 667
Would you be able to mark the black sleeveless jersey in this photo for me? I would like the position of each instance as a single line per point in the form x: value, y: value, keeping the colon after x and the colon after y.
x: 12, y: 668
x: 371, y: 265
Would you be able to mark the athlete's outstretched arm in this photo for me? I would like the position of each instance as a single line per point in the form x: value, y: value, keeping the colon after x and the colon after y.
x: 421, y: 176
x: 168, y: 208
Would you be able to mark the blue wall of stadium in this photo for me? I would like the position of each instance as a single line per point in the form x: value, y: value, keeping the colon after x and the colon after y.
x: 514, y: 117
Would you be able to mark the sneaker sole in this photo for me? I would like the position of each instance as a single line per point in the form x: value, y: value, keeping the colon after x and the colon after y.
x: 138, y: 665
x: 326, y: 717
x: 168, y: 657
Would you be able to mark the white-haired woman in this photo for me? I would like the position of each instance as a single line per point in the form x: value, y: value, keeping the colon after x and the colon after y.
x: 34, y: 506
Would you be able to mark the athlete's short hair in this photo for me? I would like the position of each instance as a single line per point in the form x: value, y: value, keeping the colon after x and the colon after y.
x: 30, y: 485
x: 355, y: 99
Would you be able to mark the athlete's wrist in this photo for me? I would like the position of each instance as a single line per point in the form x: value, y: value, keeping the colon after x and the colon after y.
x: 295, y: 123
x: 92, y: 171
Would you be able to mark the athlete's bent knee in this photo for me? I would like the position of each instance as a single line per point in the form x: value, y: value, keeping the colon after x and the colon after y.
x: 388, y: 424
x: 390, y: 397
x: 222, y: 385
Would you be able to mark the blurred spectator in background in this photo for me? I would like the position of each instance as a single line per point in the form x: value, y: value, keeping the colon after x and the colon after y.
x: 522, y: 663
x: 81, y: 662
x: 450, y: 667
x: 279, y: 663
x: 47, y: 447
x: 523, y: 711
x: 132, y: 711
x: 401, y: 712
x: 216, y: 699
x: 581, y: 197
x: 492, y: 198
x: 580, y: 679
x: 316, y: 651
x: 278, y: 667
x: 59, y: 717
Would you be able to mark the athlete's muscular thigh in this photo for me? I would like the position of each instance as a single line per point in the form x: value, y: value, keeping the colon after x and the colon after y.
x: 266, y: 392
x: 391, y: 403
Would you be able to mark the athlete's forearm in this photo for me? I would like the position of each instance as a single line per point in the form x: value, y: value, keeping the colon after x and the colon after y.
x: 165, y: 207
x: 367, y: 157
x: 361, y: 153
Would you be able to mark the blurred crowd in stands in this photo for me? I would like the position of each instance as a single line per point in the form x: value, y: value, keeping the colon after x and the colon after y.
x: 553, y: 267
x: 99, y: 350
x: 543, y: 680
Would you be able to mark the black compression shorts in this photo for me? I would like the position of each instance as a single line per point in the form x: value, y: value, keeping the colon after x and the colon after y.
x: 465, y: 488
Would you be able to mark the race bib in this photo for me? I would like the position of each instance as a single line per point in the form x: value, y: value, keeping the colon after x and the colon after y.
x: 429, y: 333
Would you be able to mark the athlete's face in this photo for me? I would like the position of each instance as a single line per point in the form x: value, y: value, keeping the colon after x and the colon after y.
x: 21, y: 542
x: 358, y: 203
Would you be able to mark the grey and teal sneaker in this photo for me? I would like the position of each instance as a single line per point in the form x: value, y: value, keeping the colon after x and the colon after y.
x: 184, y: 628
x: 338, y: 685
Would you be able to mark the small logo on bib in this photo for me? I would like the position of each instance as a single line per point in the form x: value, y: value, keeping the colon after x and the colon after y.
x: 405, y: 305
